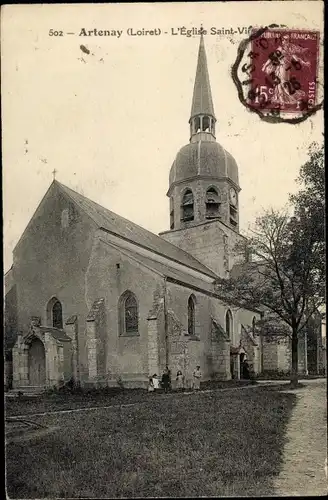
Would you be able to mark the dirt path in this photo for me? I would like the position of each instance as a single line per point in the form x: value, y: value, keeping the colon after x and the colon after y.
x: 306, y: 448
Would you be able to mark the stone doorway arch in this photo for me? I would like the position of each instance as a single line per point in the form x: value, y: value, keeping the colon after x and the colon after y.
x: 37, y: 363
x: 42, y: 357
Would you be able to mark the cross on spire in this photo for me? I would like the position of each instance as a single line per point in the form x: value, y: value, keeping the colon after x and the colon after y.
x: 54, y: 172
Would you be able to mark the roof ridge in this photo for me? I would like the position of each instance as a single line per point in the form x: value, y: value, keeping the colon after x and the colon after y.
x: 202, y: 268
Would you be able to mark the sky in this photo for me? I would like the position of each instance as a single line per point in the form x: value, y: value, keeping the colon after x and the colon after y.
x: 112, y: 121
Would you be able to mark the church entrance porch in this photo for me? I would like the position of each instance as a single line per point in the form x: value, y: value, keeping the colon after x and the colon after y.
x: 238, y: 358
x: 42, y: 358
x: 36, y: 363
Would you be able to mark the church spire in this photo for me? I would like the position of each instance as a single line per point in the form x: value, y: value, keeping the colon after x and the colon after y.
x: 202, y: 117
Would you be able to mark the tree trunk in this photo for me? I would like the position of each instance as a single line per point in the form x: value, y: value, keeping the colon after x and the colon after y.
x: 294, y: 374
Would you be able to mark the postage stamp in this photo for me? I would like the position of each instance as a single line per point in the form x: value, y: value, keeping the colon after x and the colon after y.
x: 277, y: 73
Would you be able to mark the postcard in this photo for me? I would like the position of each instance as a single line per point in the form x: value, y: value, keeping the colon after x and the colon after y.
x: 164, y: 249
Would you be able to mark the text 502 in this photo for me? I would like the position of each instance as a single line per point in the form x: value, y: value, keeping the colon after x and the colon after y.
x: 55, y: 33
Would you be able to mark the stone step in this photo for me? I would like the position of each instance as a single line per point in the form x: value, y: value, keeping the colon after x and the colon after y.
x: 28, y: 390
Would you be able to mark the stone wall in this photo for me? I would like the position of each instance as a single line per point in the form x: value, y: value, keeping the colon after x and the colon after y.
x: 111, y: 272
x: 11, y: 326
x: 284, y: 356
x: 210, y: 351
x: 270, y: 356
x: 97, y: 342
x: 51, y: 261
x: 153, y: 347
x: 212, y: 243
x: 195, y: 349
x: 219, y: 361
x: 71, y: 329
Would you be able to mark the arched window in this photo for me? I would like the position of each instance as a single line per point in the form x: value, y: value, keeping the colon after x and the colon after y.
x: 187, y: 206
x: 228, y: 323
x: 191, y: 315
x: 128, y: 314
x: 206, y: 124
x: 55, y: 313
x: 212, y: 203
x: 196, y: 124
x: 254, y: 326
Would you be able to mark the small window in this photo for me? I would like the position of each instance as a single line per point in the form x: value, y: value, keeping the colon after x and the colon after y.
x: 187, y: 207
x: 54, y: 313
x: 65, y: 218
x: 128, y: 314
x: 57, y: 315
x: 191, y: 315
x: 212, y: 203
x: 254, y: 326
x: 228, y: 323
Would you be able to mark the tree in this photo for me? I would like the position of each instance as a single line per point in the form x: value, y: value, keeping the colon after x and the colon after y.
x: 309, y: 202
x: 286, y: 276
x: 283, y: 278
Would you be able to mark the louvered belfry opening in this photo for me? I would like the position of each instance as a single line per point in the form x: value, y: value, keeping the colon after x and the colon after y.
x: 187, y: 206
x: 212, y: 203
x: 233, y: 215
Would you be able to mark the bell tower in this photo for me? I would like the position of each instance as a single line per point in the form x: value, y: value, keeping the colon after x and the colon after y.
x: 204, y: 184
x: 204, y: 177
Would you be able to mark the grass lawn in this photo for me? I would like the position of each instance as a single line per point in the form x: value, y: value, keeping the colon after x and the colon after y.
x: 93, y: 397
x: 206, y: 444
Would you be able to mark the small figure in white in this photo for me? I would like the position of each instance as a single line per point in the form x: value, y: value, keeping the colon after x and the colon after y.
x: 197, y: 375
x: 155, y: 382
x: 179, y: 381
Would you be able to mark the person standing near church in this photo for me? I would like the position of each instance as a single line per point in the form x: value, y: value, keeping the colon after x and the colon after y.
x: 166, y: 380
x: 179, y: 381
x: 197, y: 375
x: 151, y: 385
x: 170, y: 379
x: 156, y: 381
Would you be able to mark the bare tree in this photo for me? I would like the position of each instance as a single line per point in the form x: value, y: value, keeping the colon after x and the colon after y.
x: 283, y: 277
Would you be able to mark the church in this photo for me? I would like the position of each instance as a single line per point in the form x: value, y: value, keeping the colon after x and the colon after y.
x: 94, y: 298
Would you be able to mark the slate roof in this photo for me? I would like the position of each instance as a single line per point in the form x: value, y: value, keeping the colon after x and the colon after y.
x: 208, y: 159
x: 178, y: 275
x: 202, y: 102
x: 119, y: 226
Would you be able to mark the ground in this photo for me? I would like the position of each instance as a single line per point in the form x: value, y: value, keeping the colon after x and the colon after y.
x: 216, y: 443
x: 306, y: 447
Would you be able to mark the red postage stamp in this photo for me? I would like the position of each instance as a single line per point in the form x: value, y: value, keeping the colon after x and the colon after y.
x: 282, y: 70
